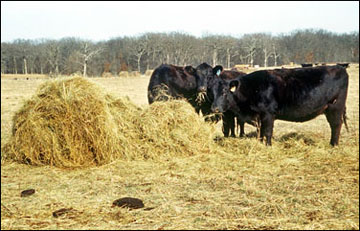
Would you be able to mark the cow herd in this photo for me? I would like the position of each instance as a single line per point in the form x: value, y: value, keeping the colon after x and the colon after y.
x: 258, y: 98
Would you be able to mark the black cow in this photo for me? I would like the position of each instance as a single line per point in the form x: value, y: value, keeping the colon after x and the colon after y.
x: 297, y: 95
x: 228, y: 117
x: 169, y: 81
x: 306, y: 65
x: 346, y: 65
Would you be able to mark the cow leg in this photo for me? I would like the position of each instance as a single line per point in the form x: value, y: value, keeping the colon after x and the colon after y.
x: 232, y: 128
x: 242, y: 126
x: 225, y: 128
x: 228, y: 124
x: 334, y: 115
x: 257, y: 125
x: 232, y: 124
x: 267, y: 125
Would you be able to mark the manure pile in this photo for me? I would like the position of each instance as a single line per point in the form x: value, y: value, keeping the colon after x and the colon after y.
x: 72, y: 122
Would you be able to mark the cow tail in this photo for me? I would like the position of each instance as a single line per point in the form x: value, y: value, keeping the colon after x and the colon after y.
x: 344, y: 119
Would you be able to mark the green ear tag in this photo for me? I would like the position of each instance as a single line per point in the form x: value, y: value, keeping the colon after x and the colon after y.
x: 218, y: 72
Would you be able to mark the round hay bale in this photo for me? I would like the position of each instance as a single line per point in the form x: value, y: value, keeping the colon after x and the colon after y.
x: 123, y: 74
x: 67, y: 123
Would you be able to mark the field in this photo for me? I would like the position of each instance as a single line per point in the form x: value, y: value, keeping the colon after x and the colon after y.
x: 301, y: 182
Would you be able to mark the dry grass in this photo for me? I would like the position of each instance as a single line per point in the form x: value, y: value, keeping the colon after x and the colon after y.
x: 301, y: 182
x: 23, y: 76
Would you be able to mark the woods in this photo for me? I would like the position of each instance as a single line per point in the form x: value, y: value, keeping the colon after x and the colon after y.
x: 147, y: 51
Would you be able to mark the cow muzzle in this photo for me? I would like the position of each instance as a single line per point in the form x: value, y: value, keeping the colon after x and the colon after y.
x: 202, y: 89
x: 215, y: 110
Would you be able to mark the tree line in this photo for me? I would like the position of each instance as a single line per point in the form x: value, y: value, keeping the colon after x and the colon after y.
x: 147, y: 51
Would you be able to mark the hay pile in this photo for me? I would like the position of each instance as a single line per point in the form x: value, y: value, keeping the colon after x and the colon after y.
x: 72, y: 122
x: 123, y: 74
x: 173, y: 128
x: 107, y: 75
x: 134, y: 74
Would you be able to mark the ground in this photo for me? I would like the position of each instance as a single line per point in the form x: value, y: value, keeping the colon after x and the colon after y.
x: 301, y: 182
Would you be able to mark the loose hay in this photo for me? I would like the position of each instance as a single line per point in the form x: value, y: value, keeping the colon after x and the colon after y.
x: 200, y: 97
x: 173, y: 128
x: 73, y: 123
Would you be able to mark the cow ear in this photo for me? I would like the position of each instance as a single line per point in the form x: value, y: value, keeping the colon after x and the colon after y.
x: 217, y: 70
x: 234, y: 85
x: 190, y: 70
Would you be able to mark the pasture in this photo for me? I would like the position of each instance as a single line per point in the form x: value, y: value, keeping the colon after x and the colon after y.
x: 301, y: 182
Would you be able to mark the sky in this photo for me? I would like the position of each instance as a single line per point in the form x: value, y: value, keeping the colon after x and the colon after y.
x: 102, y: 20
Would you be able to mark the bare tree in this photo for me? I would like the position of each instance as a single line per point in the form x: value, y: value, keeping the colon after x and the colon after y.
x: 41, y: 57
x: 229, y: 45
x: 250, y: 46
x: 154, y: 49
x: 266, y: 42
x: 138, y: 47
x: 214, y: 44
x: 275, y: 54
x: 151, y: 49
x: 53, y: 56
x: 87, y: 53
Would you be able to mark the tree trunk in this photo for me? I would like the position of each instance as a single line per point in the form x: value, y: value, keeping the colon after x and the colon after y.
x: 57, y: 69
x: 265, y: 57
x: 214, y: 57
x: 85, y: 68
x: 275, y: 56
x: 15, y: 66
x: 153, y: 58
x: 228, y: 57
x: 138, y: 62
x: 25, y: 66
x: 185, y: 57
x: 251, y: 59
x: 176, y: 59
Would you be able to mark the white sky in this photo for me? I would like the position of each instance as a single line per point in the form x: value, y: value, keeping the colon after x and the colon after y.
x: 105, y: 20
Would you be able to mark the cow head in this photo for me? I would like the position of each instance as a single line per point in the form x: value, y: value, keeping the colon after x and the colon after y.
x: 223, y: 92
x: 204, y: 73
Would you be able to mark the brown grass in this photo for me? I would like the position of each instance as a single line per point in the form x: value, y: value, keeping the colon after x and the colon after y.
x: 23, y: 76
x: 301, y: 182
